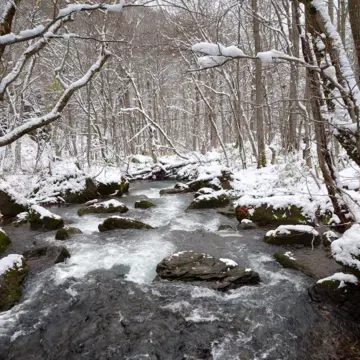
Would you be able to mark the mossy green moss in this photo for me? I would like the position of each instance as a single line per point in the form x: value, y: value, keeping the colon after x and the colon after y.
x: 209, y: 202
x: 267, y: 215
x: 287, y: 262
x: 122, y: 223
x: 4, y: 241
x: 144, y: 204
x: 67, y: 232
x: 10, y: 283
x: 90, y: 192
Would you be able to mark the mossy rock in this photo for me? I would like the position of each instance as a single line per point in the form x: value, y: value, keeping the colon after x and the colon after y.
x: 10, y: 284
x: 116, y: 222
x: 324, y: 217
x: 248, y: 225
x: 292, y: 237
x: 38, y: 222
x: 107, y: 207
x: 67, y: 232
x: 89, y: 193
x: 21, y: 219
x: 287, y: 261
x: 209, y: 202
x: 226, y: 211
x: 4, y: 241
x: 144, y: 204
x: 204, y: 191
x: 266, y: 215
x: 124, y: 188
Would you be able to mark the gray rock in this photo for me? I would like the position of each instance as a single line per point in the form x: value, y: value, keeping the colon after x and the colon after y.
x: 53, y: 254
x: 206, y: 270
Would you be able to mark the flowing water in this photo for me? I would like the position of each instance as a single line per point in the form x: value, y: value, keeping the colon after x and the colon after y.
x: 103, y: 304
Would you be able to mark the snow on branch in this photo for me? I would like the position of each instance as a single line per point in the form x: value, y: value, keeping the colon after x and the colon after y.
x: 345, y: 67
x: 55, y: 113
x: 42, y: 30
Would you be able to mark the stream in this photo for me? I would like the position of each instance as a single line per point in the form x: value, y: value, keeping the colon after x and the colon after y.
x: 102, y: 303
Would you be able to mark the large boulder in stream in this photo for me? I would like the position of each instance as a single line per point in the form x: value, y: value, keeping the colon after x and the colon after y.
x: 275, y: 210
x: 202, y: 269
x: 341, y: 291
x: 11, y: 203
x: 13, y: 271
x: 211, y: 201
x: 105, y: 207
x: 41, y: 218
x: 289, y: 261
x: 4, y: 241
x: 144, y: 204
x: 120, y: 222
x: 51, y: 254
x: 67, y: 232
x: 293, y: 235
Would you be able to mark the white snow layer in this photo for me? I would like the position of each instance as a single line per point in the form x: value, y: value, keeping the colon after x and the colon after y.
x: 44, y: 212
x: 346, y: 250
x: 217, y: 49
x: 228, y: 262
x: 286, y: 229
x: 343, y: 278
x: 108, y: 203
x: 10, y: 262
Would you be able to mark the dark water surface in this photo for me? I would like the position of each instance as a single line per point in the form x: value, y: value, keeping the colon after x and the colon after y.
x: 102, y: 304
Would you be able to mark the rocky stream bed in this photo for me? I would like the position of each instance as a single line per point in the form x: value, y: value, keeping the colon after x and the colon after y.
x: 103, y: 303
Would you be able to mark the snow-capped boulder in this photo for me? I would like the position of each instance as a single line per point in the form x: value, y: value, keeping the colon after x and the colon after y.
x: 51, y: 254
x: 202, y: 269
x: 105, y: 207
x: 20, y: 219
x: 276, y: 210
x: 288, y: 260
x: 246, y: 224
x: 67, y: 232
x: 144, y: 204
x: 216, y: 180
x: 214, y: 200
x: 346, y: 250
x: 41, y: 218
x: 13, y: 271
x: 293, y: 235
x: 11, y: 203
x: 120, y: 222
x: 339, y: 290
x: 4, y: 241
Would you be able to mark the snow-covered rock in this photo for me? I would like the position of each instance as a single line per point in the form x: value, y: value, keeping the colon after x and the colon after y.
x: 105, y: 207
x: 293, y: 234
x: 11, y: 202
x: 67, y: 232
x: 41, y: 218
x: 211, y: 201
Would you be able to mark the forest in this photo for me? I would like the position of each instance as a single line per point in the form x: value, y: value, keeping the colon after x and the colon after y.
x: 180, y: 179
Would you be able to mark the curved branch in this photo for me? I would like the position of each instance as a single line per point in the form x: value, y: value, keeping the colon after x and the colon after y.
x: 55, y: 113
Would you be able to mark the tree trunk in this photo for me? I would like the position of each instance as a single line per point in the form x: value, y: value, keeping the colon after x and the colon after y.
x: 354, y: 14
